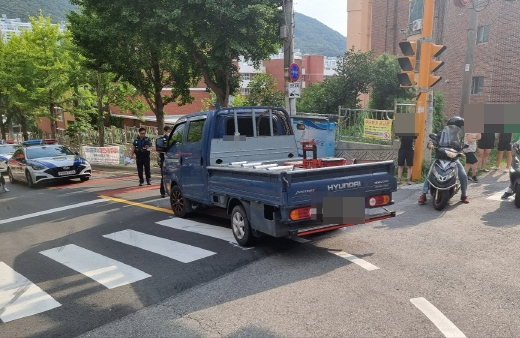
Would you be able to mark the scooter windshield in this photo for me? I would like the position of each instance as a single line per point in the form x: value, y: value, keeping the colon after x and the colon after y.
x: 450, y: 137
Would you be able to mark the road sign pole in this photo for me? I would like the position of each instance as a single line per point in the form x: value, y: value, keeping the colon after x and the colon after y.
x: 288, y: 51
x: 423, y: 84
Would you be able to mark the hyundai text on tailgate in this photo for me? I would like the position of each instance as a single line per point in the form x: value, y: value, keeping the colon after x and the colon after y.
x: 245, y: 159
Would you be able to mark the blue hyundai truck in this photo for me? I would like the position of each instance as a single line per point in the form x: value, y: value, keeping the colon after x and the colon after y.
x: 245, y: 160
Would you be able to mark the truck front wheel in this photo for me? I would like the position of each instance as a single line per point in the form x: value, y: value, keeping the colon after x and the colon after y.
x: 181, y: 206
x: 241, y: 227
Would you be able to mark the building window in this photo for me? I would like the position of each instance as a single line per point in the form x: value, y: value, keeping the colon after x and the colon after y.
x: 477, y: 84
x: 482, y: 34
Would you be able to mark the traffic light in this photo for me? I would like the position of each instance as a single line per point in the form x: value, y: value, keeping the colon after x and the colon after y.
x: 407, y: 63
x: 435, y: 51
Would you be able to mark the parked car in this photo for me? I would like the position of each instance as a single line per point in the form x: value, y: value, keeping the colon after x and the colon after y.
x: 6, y: 151
x: 38, y: 161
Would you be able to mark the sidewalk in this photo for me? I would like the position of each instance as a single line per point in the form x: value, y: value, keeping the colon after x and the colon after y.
x: 129, y: 168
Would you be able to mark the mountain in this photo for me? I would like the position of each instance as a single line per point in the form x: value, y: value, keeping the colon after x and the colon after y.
x: 310, y: 35
x: 313, y: 37
x: 23, y: 8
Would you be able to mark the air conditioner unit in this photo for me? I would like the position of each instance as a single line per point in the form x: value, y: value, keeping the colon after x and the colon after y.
x: 417, y: 25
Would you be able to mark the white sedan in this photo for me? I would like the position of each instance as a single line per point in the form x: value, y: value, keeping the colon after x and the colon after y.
x: 36, y: 162
x: 6, y: 151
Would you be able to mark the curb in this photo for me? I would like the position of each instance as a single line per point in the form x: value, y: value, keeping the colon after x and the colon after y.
x: 131, y: 168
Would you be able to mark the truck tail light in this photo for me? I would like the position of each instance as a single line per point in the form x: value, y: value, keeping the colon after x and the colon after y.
x: 300, y: 213
x: 375, y: 201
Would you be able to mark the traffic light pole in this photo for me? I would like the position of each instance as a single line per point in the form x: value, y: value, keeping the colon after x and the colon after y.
x: 423, y: 84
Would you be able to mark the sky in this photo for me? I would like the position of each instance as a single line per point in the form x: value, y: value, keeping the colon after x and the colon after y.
x: 332, y: 13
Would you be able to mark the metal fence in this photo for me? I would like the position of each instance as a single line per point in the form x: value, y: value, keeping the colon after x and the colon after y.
x: 351, y: 124
x: 112, y: 137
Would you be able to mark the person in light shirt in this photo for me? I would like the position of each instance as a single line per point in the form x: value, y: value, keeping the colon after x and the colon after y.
x: 471, y: 158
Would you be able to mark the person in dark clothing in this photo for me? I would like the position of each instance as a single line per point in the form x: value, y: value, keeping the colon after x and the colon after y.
x: 504, y: 144
x: 167, y: 130
x: 141, y: 148
x: 405, y: 154
x: 485, y: 145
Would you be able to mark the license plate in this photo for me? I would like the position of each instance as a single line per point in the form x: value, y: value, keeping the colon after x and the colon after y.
x: 68, y: 172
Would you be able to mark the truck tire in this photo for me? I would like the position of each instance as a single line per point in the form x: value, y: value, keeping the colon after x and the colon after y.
x: 517, y: 196
x: 181, y: 206
x: 241, y: 227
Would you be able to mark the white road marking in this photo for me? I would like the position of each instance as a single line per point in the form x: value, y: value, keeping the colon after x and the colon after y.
x: 104, y: 270
x: 497, y: 197
x: 200, y: 228
x: 178, y: 251
x: 441, y: 321
x: 356, y: 260
x: 50, y: 211
x: 19, y: 297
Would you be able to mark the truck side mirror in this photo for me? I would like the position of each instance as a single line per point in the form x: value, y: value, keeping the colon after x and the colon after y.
x: 300, y: 126
x: 160, y: 145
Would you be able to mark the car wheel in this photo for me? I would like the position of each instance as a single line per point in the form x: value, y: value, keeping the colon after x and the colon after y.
x: 11, y: 177
x: 30, y: 182
x: 181, y: 206
x: 241, y: 226
x: 84, y: 178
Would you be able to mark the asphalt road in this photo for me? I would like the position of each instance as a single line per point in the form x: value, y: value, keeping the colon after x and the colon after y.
x: 424, y: 273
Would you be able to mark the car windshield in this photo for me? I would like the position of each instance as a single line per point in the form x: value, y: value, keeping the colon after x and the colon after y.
x: 7, y: 149
x: 37, y: 152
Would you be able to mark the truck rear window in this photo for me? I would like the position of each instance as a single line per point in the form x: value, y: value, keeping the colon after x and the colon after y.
x: 245, y: 126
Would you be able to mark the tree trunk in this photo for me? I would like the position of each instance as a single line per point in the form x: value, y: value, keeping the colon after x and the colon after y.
x: 2, y: 127
x: 101, y: 112
x: 23, y: 123
x: 159, y: 112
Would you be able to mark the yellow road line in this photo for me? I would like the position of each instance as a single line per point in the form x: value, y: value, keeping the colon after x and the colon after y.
x: 137, y: 204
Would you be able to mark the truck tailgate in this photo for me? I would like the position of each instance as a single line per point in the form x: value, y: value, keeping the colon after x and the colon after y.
x: 360, y: 180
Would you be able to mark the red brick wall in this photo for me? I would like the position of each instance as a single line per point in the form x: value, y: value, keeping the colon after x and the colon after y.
x: 314, y: 68
x: 388, y: 18
x: 276, y: 69
x: 496, y: 60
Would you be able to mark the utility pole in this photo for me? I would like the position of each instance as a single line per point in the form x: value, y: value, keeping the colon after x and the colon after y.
x: 468, y: 64
x: 287, y: 34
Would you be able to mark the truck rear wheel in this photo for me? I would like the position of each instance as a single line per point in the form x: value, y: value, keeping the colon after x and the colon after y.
x: 517, y: 196
x: 181, y: 206
x: 241, y: 227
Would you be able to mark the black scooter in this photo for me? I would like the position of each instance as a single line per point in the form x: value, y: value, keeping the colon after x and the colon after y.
x: 443, y: 175
x: 514, y: 174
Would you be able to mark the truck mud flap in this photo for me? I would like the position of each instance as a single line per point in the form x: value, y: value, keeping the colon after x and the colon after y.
x: 309, y: 231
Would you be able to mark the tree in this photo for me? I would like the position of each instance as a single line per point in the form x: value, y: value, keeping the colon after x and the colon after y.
x: 220, y: 31
x: 92, y: 100
x: 263, y: 91
x: 139, y: 41
x: 48, y: 53
x: 354, y: 76
x: 385, y: 86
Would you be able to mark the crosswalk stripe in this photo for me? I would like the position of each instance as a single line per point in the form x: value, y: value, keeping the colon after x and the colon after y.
x: 19, y: 297
x: 50, y: 211
x: 104, y: 270
x: 178, y: 251
x: 200, y: 228
x: 498, y: 197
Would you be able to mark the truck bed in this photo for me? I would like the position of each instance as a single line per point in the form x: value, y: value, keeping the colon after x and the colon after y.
x: 287, y: 188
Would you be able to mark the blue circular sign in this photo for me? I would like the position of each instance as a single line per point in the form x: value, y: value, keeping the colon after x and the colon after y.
x: 294, y: 72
